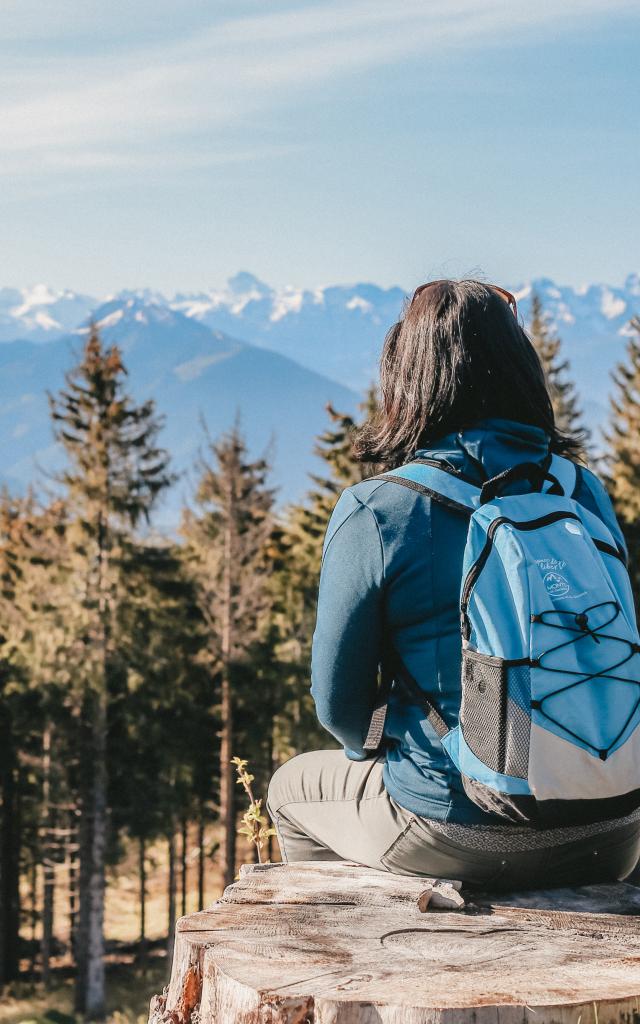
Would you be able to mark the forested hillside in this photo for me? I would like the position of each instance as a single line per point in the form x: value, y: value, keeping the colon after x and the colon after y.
x: 136, y: 665
x: 196, y: 375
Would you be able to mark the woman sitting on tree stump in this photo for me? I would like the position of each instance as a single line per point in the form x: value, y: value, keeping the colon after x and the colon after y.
x: 476, y: 650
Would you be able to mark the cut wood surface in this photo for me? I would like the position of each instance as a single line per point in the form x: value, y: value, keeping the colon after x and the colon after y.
x: 334, y: 943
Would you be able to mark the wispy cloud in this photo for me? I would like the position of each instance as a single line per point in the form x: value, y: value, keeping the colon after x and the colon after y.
x: 129, y: 106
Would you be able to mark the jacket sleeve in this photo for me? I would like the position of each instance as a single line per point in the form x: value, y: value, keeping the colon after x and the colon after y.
x: 348, y: 636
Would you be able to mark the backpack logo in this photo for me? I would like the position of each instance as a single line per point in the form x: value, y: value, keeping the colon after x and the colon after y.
x: 556, y: 585
x: 550, y: 564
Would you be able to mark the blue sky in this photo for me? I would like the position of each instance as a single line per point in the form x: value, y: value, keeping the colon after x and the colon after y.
x: 168, y: 143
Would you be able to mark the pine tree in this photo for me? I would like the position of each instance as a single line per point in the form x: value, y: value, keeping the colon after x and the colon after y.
x: 162, y: 731
x: 295, y: 583
x: 115, y: 473
x: 29, y: 707
x: 227, y: 537
x: 624, y: 432
x: 11, y: 700
x: 564, y: 398
x: 623, y: 455
x: 307, y: 523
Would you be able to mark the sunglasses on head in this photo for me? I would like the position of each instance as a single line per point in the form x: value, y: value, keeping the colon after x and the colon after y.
x: 502, y: 292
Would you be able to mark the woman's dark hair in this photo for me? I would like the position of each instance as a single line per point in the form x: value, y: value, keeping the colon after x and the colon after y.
x: 457, y: 356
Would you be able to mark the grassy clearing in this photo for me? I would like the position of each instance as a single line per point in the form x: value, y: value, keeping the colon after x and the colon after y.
x: 129, y: 992
x: 129, y: 989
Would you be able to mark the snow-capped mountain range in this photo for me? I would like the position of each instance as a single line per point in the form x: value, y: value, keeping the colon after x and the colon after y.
x: 336, y: 330
x: 276, y: 356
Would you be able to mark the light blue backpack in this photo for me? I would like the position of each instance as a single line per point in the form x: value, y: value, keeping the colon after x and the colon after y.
x: 548, y: 731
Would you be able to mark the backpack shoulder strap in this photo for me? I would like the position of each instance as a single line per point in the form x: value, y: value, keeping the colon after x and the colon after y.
x: 396, y: 672
x: 443, y: 485
x: 452, y: 489
x: 566, y: 473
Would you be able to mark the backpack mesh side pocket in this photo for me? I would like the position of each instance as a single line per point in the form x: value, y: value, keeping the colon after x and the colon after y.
x: 483, y: 711
x: 518, y: 721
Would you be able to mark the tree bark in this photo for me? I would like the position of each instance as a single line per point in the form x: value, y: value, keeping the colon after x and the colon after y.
x: 33, y: 910
x: 47, y: 919
x: 10, y: 842
x: 95, y: 991
x: 335, y: 942
x: 94, y: 892
x: 71, y: 858
x: 142, y: 884
x: 200, y: 862
x: 171, y: 893
x: 90, y: 977
x: 272, y: 768
x: 47, y: 860
x: 85, y: 831
x: 184, y: 837
x: 227, y: 781
x: 227, y: 784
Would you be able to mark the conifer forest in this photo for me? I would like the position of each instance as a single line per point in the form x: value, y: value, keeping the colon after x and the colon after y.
x: 135, y: 666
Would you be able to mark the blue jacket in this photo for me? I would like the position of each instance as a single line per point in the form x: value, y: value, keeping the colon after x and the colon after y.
x: 391, y: 568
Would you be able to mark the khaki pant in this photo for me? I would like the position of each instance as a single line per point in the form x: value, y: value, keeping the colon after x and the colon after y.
x: 326, y: 807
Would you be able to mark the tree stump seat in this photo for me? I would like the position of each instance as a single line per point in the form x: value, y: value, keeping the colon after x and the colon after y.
x: 334, y: 943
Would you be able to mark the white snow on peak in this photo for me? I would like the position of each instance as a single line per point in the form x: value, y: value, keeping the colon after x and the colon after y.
x: 238, y: 304
x: 199, y: 307
x: 357, y: 302
x: 43, y: 320
x: 38, y: 295
x: 289, y: 300
x: 564, y: 314
x: 194, y: 368
x: 611, y: 305
x: 110, y: 319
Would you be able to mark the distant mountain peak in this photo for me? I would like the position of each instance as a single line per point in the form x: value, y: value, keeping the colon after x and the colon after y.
x: 145, y: 296
x: 632, y: 283
x: 121, y: 315
x: 244, y: 282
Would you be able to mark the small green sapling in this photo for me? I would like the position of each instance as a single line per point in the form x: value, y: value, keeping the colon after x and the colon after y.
x: 255, y: 825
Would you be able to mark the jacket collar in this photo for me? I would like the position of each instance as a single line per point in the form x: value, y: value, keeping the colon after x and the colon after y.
x: 490, y: 446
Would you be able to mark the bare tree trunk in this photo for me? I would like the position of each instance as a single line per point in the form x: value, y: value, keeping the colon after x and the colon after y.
x: 227, y: 784
x: 71, y: 857
x: 47, y: 919
x: 95, y: 991
x: 183, y: 866
x: 9, y: 854
x: 142, y: 882
x: 47, y: 860
x: 171, y: 892
x: 33, y: 910
x: 227, y: 781
x: 85, y: 832
x: 201, y: 861
x: 272, y: 767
